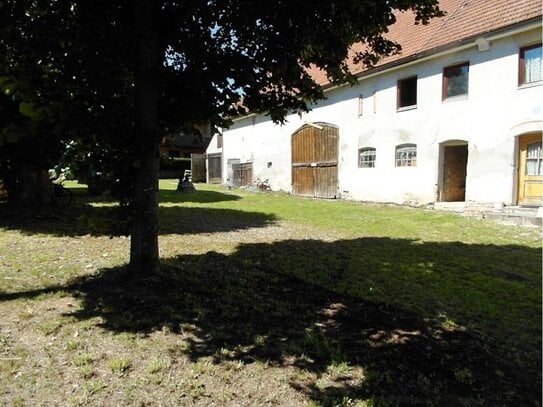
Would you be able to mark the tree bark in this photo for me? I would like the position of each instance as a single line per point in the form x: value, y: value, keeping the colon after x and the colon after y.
x: 33, y: 186
x: 144, y: 257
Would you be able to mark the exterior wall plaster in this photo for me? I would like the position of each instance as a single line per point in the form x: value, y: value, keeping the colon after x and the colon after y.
x: 488, y: 119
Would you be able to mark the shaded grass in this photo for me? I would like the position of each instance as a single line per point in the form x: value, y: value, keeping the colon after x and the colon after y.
x: 402, y: 307
x: 250, y: 306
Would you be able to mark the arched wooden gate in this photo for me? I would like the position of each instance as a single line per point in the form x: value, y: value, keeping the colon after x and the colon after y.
x: 315, y: 161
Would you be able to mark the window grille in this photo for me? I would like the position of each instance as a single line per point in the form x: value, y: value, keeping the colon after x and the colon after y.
x: 406, y: 155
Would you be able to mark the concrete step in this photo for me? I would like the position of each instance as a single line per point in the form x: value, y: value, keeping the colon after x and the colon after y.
x: 518, y: 215
x: 518, y: 211
x: 511, y: 215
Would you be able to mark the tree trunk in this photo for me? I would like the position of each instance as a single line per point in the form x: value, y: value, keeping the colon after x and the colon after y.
x: 144, y: 256
x: 33, y: 186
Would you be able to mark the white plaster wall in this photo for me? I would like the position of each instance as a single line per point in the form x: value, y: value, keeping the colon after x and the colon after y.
x: 212, y: 147
x: 485, y: 119
x: 255, y: 139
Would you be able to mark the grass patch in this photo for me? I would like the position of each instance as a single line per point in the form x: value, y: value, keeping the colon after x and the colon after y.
x: 93, y: 387
x: 321, y: 347
x: 268, y: 298
x: 82, y: 359
x: 158, y: 365
x: 119, y: 365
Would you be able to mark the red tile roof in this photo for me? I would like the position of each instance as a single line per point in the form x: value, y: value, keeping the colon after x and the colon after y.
x: 463, y: 19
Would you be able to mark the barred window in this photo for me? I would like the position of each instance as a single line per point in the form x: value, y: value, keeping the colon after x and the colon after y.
x: 406, y: 155
x: 366, y: 157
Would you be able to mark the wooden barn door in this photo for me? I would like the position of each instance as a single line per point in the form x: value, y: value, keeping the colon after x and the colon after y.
x: 214, y: 167
x: 198, y: 167
x: 315, y: 161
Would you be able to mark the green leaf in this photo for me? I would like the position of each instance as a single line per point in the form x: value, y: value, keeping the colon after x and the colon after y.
x: 7, y: 85
x: 30, y: 110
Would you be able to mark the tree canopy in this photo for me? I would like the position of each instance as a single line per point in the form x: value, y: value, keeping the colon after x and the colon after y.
x: 116, y: 75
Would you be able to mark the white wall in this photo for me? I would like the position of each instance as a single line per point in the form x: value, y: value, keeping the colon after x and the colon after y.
x: 485, y: 119
x: 213, y: 147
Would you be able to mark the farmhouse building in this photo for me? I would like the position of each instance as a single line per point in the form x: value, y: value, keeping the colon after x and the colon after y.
x: 455, y: 117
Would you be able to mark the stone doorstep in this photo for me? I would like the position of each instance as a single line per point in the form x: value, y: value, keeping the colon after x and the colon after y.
x: 515, y: 219
x: 511, y: 215
x: 450, y: 206
x: 521, y: 211
x: 518, y: 215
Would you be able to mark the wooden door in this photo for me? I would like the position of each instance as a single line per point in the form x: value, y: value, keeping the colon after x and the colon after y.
x: 530, y: 171
x: 455, y: 160
x: 198, y: 167
x: 242, y: 174
x: 214, y: 165
x: 315, y: 161
x: 230, y: 169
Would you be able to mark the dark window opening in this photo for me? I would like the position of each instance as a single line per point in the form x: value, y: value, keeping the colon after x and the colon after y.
x: 407, y: 92
x: 455, y: 80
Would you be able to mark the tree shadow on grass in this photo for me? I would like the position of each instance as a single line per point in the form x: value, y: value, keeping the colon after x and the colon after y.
x: 198, y: 196
x: 79, y: 220
x: 100, y: 215
x: 394, y: 321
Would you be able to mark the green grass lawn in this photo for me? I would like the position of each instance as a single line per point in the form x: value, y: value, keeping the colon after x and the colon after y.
x: 269, y: 299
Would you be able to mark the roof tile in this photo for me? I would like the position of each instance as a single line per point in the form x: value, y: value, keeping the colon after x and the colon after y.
x: 463, y: 19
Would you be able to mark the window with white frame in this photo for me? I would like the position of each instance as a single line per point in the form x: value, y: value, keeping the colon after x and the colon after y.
x: 530, y: 64
x: 366, y: 157
x: 406, y: 155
